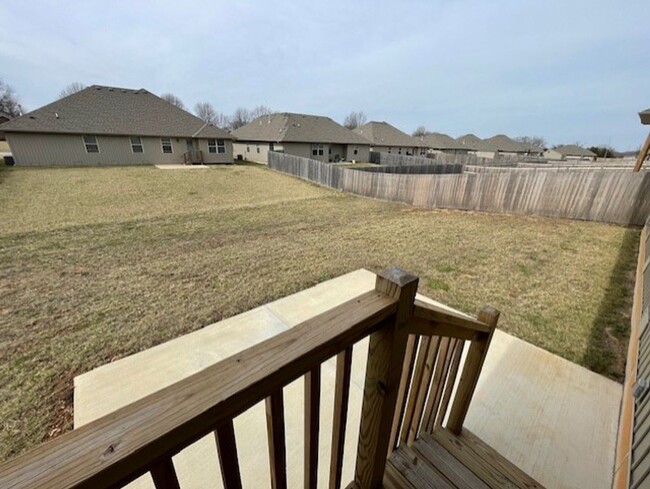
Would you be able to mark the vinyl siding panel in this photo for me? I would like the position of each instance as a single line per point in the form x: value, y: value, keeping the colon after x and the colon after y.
x: 248, y: 150
x: 69, y: 150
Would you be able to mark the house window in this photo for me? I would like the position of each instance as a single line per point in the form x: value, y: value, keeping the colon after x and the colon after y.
x: 166, y: 144
x: 217, y: 146
x: 257, y: 147
x: 136, y: 144
x: 399, y: 151
x: 317, y: 150
x: 248, y: 149
x: 90, y: 142
x: 390, y: 149
x: 355, y: 151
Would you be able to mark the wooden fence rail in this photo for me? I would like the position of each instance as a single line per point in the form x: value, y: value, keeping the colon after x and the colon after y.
x: 620, y: 197
x: 413, y: 361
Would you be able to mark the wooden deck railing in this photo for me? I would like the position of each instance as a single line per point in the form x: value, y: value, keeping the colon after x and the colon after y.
x: 193, y: 157
x: 414, y: 356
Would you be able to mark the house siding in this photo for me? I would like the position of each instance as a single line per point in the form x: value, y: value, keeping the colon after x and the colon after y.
x: 344, y: 151
x: 69, y: 150
x: 405, y: 150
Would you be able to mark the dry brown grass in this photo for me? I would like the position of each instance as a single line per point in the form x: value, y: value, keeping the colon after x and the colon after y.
x: 97, y: 264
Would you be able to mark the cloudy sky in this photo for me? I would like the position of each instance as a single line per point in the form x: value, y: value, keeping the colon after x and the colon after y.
x: 570, y: 71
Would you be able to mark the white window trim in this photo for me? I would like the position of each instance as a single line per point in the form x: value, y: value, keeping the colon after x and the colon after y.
x: 141, y: 144
x: 86, y: 147
x: 162, y: 146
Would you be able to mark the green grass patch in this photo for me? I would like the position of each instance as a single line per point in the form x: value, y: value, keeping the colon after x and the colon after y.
x: 100, y: 263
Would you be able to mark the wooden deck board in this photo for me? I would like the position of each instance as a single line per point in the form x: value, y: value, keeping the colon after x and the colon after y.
x: 449, y: 461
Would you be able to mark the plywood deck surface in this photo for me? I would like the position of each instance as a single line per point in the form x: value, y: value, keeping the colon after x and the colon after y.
x: 553, y: 419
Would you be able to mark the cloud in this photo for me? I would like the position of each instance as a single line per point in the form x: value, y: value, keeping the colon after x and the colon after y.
x: 565, y: 70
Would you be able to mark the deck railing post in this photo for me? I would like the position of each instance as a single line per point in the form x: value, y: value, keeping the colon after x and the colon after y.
x: 471, y: 371
x: 383, y: 374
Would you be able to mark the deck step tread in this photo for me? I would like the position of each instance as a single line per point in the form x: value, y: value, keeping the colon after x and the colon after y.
x: 444, y: 460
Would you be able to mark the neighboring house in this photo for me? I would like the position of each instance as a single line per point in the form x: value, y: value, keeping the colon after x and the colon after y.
x: 569, y: 152
x: 4, y: 117
x: 477, y: 146
x: 113, y: 126
x: 388, y: 139
x: 507, y: 146
x: 441, y: 143
x: 309, y: 136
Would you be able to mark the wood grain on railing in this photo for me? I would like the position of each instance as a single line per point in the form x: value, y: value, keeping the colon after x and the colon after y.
x: 471, y: 371
x: 123, y: 445
x: 383, y: 373
x: 437, y: 386
x: 339, y: 423
x: 407, y: 372
x: 428, y: 351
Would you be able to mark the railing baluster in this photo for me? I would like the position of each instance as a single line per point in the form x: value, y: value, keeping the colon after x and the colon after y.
x: 403, y: 394
x: 276, y: 439
x: 451, y: 379
x: 471, y: 371
x: 425, y: 341
x: 435, y: 392
x: 383, y: 374
x: 228, y: 460
x: 312, y: 419
x: 164, y: 475
x: 428, y: 360
x: 341, y: 396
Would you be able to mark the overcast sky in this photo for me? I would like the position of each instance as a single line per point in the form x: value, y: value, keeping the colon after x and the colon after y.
x: 570, y: 71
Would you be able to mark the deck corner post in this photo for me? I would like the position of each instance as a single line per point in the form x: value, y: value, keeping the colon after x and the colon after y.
x: 383, y: 373
x: 472, y: 370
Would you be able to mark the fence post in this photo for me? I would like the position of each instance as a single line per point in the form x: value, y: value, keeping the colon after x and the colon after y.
x: 471, y: 371
x: 383, y: 374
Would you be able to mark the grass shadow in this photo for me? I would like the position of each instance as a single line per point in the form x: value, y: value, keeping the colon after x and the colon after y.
x: 607, y: 344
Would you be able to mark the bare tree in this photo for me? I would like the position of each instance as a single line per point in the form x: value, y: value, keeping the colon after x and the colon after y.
x: 74, y: 87
x: 532, y: 141
x: 259, y: 111
x: 173, y: 99
x: 240, y: 118
x: 9, y: 101
x: 221, y: 120
x: 420, y: 131
x: 205, y: 112
x: 355, y: 119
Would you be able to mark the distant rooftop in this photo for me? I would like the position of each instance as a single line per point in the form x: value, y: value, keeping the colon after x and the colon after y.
x: 114, y: 111
x: 474, y: 143
x: 290, y: 127
x: 574, y: 150
x: 437, y: 140
x: 383, y: 134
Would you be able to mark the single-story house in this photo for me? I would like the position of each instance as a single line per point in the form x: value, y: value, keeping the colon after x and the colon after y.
x: 309, y: 136
x: 508, y: 146
x: 437, y: 142
x: 102, y: 125
x: 569, y: 152
x: 388, y: 139
x: 477, y: 146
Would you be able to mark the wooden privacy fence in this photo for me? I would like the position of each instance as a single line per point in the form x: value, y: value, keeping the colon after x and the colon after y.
x: 391, y: 159
x: 437, y: 169
x: 632, y: 468
x: 411, y: 387
x: 621, y: 197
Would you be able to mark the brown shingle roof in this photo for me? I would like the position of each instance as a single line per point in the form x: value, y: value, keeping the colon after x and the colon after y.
x: 474, y: 143
x: 437, y: 140
x: 504, y: 143
x: 114, y: 111
x: 383, y: 134
x: 297, y: 128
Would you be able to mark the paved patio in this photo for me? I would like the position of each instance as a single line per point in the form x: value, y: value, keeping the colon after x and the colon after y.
x: 556, y: 420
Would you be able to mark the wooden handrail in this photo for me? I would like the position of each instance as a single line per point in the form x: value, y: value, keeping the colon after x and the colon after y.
x: 144, y: 436
x: 123, y: 445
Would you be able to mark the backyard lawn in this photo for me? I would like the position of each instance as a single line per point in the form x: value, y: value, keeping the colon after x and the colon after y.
x: 100, y: 263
